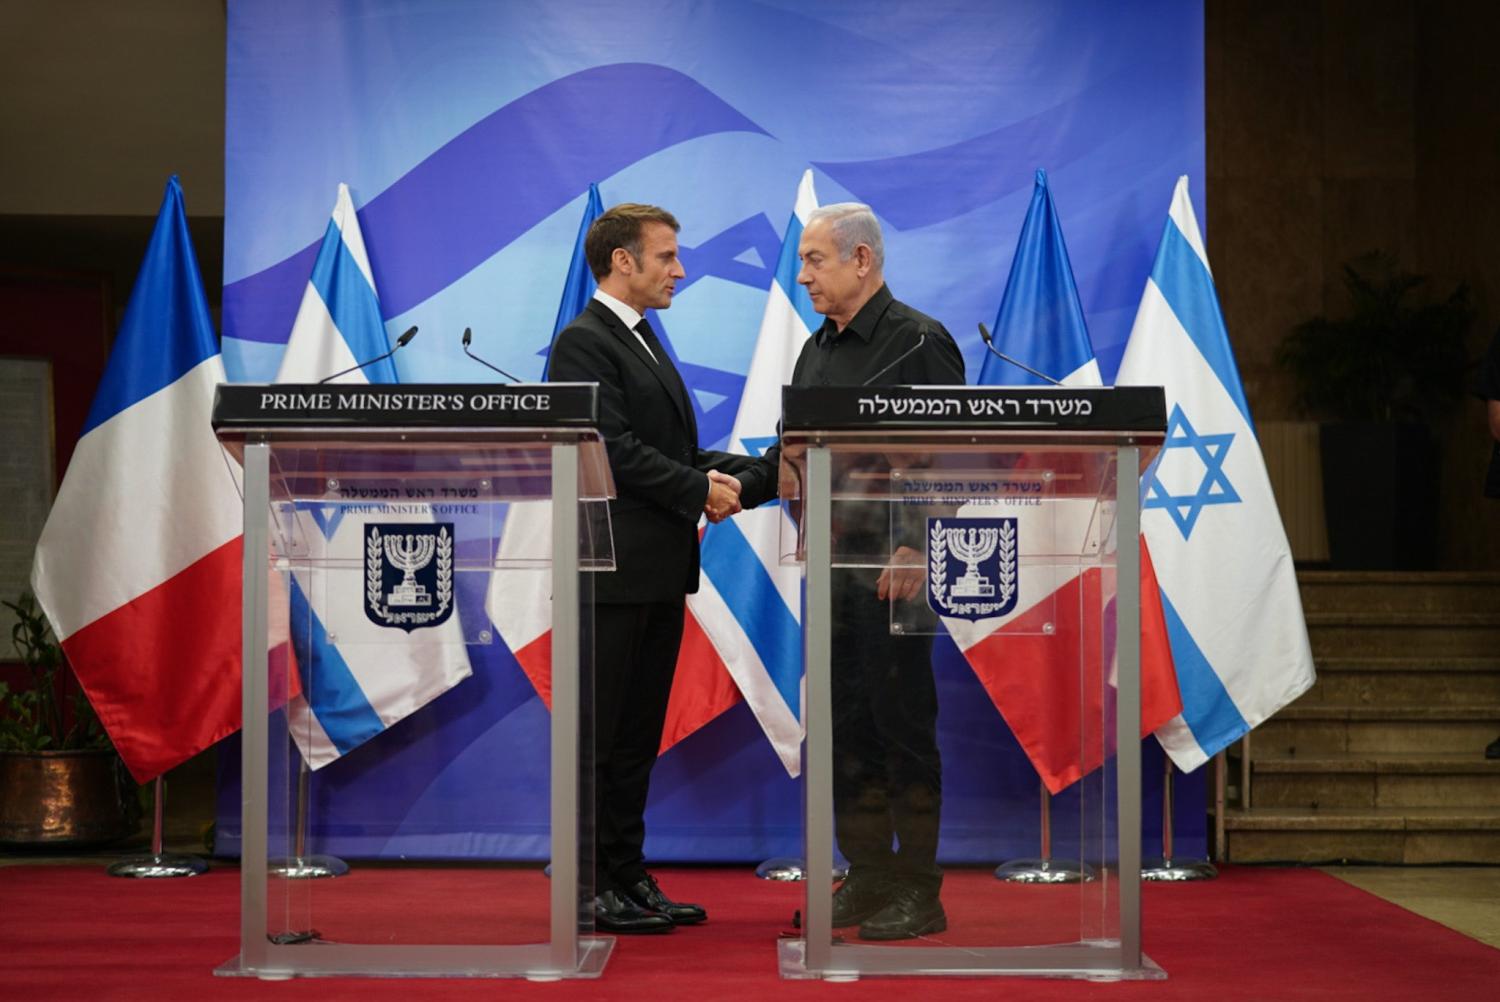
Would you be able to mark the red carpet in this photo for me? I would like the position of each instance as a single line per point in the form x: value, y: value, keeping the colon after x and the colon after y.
x: 71, y: 932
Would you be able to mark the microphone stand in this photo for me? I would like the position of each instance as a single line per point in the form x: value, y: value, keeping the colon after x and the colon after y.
x: 469, y: 336
x: 989, y: 342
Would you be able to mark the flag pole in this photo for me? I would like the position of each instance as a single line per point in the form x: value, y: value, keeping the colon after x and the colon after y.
x: 299, y: 865
x: 1168, y: 868
x: 158, y: 863
x: 1044, y: 869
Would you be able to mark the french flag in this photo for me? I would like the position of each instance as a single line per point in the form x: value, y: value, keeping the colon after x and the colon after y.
x: 138, y: 567
x: 1044, y: 663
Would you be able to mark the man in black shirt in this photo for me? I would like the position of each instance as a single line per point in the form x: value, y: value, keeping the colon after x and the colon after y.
x: 887, y: 783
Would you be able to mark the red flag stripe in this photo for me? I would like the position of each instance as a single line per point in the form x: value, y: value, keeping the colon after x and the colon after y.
x: 186, y: 631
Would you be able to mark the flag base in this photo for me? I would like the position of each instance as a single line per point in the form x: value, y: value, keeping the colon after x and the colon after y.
x: 160, y: 864
x: 306, y: 867
x: 793, y: 868
x: 1044, y: 871
x: 1178, y: 869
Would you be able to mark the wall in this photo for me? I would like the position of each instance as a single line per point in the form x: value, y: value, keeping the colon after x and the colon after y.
x: 1337, y: 128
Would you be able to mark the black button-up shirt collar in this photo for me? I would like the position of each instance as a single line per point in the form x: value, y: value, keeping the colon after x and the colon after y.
x: 863, y: 323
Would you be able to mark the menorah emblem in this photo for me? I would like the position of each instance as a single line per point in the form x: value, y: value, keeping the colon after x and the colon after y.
x: 408, y: 573
x: 986, y: 549
x: 971, y: 546
x: 409, y: 553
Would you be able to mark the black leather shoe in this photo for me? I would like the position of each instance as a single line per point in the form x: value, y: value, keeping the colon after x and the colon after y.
x: 616, y: 912
x: 912, y: 912
x: 1492, y: 750
x: 860, y: 896
x: 646, y: 892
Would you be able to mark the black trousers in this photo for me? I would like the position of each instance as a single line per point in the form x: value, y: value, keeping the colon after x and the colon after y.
x: 887, y: 772
x: 635, y: 656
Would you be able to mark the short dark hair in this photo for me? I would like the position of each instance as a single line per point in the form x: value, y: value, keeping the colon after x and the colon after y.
x: 621, y: 227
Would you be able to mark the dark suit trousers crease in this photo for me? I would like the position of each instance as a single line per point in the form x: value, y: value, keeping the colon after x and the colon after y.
x: 887, y: 771
x: 635, y: 656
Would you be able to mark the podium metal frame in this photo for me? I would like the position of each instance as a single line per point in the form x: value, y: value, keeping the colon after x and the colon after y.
x: 569, y: 953
x: 817, y: 955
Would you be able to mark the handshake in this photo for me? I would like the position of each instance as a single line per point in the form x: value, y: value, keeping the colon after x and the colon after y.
x: 723, y: 496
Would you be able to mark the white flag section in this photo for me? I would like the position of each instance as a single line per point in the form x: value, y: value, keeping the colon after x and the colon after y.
x: 338, y: 324
x: 519, y: 600
x: 358, y: 677
x: 1228, y: 587
x: 748, y: 604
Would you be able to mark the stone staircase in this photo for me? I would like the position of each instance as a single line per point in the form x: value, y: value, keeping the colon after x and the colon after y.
x: 1382, y: 761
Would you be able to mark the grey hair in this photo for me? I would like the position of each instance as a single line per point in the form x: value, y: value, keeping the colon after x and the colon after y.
x: 852, y: 224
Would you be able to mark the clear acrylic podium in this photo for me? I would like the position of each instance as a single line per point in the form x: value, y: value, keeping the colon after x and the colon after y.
x: 1000, y: 512
x: 374, y: 519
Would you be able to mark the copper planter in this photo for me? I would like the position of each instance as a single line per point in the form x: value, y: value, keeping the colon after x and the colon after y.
x: 64, y: 798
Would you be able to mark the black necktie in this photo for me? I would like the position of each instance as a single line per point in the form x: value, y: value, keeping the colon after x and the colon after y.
x: 648, y: 336
x: 669, y: 374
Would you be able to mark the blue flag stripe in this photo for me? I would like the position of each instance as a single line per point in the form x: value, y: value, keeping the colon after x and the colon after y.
x: 328, y: 685
x: 1206, y: 707
x: 578, y: 287
x: 353, y: 306
x: 167, y: 330
x: 757, y: 606
x: 1040, y: 320
x: 787, y: 266
x: 1188, y: 288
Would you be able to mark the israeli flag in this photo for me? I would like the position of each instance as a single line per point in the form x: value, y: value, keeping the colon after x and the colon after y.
x: 358, y: 678
x: 1228, y: 587
x: 748, y: 604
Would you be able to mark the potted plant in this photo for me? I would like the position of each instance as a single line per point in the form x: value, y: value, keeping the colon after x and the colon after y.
x: 1376, y: 378
x: 61, y: 782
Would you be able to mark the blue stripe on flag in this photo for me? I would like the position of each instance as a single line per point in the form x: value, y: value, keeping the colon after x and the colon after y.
x: 1206, y: 707
x: 787, y: 266
x: 352, y: 304
x: 328, y: 685
x: 1188, y: 288
x: 1040, y: 321
x: 757, y: 606
x: 166, y: 331
x: 579, y: 286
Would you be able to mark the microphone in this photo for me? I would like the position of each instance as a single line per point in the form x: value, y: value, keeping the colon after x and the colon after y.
x: 401, y: 342
x: 469, y: 336
x: 898, y: 359
x: 989, y: 342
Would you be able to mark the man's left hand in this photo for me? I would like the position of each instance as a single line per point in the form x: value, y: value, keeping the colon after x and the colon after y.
x: 903, y: 579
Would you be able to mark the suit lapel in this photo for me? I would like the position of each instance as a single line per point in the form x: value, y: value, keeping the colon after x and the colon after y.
x: 662, y: 369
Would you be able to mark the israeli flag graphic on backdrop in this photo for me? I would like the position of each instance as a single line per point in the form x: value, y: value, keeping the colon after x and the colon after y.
x: 748, y: 604
x: 358, y: 676
x: 1228, y: 587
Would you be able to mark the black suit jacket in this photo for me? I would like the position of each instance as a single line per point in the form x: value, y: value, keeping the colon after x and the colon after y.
x: 651, y: 434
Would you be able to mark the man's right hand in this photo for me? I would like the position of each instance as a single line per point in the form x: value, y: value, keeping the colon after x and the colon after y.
x: 723, y: 496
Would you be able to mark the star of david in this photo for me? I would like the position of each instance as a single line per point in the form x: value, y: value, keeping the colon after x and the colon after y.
x: 1214, y: 488
x: 721, y: 256
x: 758, y: 445
x: 325, y: 517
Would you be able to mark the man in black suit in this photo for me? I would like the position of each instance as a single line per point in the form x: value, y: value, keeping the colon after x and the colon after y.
x: 662, y: 483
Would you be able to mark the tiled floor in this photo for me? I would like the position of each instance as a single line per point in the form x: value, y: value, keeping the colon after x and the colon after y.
x: 1465, y: 898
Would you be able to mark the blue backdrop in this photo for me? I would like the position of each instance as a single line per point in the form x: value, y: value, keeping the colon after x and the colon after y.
x: 468, y: 134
